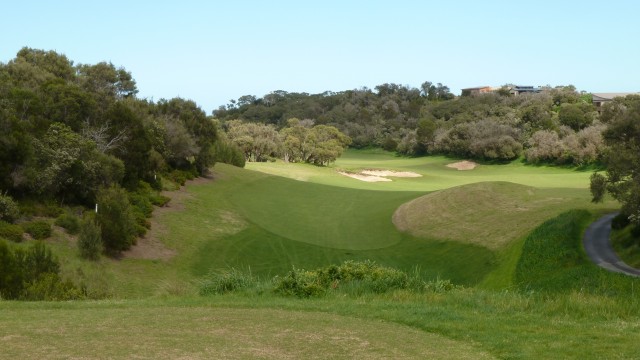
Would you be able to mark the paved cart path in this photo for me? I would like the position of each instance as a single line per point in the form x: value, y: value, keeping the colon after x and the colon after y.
x: 598, y: 247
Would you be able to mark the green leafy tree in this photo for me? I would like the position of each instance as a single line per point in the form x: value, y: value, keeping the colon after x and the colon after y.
x: 622, y: 160
x: 69, y: 165
x: 576, y: 116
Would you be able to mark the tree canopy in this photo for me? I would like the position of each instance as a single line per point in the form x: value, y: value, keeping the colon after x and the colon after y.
x: 622, y: 160
x: 429, y: 120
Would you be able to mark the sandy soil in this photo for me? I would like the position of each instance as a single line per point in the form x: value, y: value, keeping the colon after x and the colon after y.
x: 362, y: 177
x: 390, y: 173
x: 463, y: 165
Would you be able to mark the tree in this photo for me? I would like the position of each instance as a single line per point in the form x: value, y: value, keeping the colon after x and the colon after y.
x: 622, y: 161
x: 326, y: 144
x: 576, y: 116
x: 66, y: 164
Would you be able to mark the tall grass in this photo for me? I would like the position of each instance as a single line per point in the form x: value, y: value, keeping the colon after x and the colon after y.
x: 553, y: 261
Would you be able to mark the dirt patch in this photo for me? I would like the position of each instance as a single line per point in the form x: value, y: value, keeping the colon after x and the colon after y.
x: 463, y: 165
x: 150, y: 247
x: 362, y: 177
x: 390, y: 173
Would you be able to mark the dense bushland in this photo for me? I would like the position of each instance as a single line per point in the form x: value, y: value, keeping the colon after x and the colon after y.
x: 490, y: 126
x: 77, y: 135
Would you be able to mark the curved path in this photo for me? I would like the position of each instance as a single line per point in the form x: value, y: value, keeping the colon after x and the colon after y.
x: 598, y: 247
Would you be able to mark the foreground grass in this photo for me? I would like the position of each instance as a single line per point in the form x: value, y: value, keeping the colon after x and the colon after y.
x: 460, y: 324
x: 559, y: 306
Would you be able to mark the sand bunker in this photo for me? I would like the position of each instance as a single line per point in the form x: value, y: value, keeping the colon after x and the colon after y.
x: 378, y: 175
x: 463, y: 165
x: 362, y: 177
x: 389, y: 173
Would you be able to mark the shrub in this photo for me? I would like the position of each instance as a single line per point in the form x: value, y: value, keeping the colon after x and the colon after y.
x: 36, y: 261
x: 9, y: 210
x: 45, y: 209
x: 299, y: 283
x: 226, y: 281
x: 620, y: 221
x: 90, y: 239
x: 354, y: 277
x: 69, y: 222
x: 50, y: 287
x: 159, y: 200
x: 10, y: 231
x: 33, y: 274
x: 37, y: 229
x: 116, y: 219
x: 10, y: 273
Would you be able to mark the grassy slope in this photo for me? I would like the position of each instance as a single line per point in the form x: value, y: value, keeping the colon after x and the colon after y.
x: 488, y: 214
x: 626, y: 246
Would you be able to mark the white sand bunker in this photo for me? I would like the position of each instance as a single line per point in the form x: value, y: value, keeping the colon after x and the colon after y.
x: 389, y: 173
x: 463, y: 165
x: 378, y: 175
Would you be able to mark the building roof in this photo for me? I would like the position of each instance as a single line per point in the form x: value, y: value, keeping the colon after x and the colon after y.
x: 610, y: 96
x: 477, y: 88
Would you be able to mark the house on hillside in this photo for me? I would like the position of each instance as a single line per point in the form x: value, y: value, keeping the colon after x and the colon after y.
x: 600, y: 99
x: 476, y: 90
x: 519, y: 89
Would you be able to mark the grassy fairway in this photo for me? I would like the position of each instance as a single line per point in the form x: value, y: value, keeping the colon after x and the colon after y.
x: 269, y: 224
x: 291, y: 223
x: 436, y: 175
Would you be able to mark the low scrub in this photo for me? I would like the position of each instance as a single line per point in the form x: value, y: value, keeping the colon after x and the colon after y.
x: 69, y: 222
x: 226, y: 281
x: 38, y: 229
x: 33, y: 274
x: 351, y: 277
x: 10, y: 231
x: 9, y: 210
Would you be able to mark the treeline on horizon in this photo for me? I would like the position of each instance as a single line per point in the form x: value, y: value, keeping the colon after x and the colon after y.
x: 559, y: 125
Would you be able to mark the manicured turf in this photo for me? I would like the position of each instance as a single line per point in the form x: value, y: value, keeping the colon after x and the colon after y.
x: 436, y: 175
x: 488, y: 214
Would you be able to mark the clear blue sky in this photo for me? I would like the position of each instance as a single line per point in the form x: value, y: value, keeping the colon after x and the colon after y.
x: 213, y: 51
